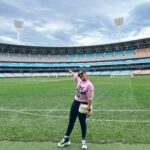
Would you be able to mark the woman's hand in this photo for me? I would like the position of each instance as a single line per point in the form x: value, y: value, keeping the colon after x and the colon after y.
x: 73, y: 73
x: 70, y: 70
x: 88, y: 113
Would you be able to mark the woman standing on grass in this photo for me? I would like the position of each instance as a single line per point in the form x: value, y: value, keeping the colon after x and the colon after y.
x: 81, y: 107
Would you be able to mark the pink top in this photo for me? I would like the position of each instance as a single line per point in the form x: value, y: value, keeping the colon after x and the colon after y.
x: 85, y: 90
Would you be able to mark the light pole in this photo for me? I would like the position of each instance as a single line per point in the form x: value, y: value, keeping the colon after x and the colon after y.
x: 118, y: 23
x: 18, y: 25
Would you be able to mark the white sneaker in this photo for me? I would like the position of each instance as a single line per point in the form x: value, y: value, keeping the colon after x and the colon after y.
x: 84, y: 146
x: 64, y: 142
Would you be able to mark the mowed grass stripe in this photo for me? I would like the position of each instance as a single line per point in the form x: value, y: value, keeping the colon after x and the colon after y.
x: 5, y: 145
x: 105, y: 115
x: 35, y: 128
x: 65, y: 110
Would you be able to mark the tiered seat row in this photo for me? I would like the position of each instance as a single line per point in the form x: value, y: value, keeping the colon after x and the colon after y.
x: 142, y: 53
x: 67, y: 58
x: 141, y: 72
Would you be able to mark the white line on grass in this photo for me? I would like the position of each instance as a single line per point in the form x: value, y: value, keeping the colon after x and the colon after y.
x: 61, y: 110
x: 39, y: 80
x: 32, y: 114
x: 125, y: 110
x: 55, y: 80
x: 121, y: 121
x: 64, y: 117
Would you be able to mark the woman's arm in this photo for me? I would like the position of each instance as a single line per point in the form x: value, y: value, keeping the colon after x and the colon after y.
x: 89, y: 108
x: 90, y: 96
x: 73, y: 73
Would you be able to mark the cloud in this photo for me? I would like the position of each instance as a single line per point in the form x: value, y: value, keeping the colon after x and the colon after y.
x: 6, y: 25
x: 69, y: 22
x: 137, y: 24
x: 133, y: 35
x: 52, y: 27
x: 139, y: 17
x: 11, y: 40
x: 90, y: 38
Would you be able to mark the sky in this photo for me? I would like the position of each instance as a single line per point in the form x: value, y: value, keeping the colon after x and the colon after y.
x: 73, y: 22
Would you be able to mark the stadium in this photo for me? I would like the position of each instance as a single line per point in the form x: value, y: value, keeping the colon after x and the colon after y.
x: 36, y: 88
x: 121, y: 68
x: 124, y: 58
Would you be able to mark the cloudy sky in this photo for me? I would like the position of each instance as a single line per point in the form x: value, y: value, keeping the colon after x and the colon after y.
x: 73, y: 22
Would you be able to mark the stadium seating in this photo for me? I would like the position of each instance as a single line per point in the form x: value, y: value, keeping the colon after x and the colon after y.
x: 111, y: 60
x: 21, y: 75
x: 13, y: 57
x: 142, y: 53
x: 102, y: 56
x: 108, y: 55
x: 103, y: 73
x: 105, y: 63
x: 141, y: 72
x: 32, y: 57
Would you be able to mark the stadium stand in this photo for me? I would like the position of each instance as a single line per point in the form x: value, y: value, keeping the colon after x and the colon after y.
x: 141, y: 72
x: 142, y: 53
x: 125, y: 58
x: 64, y: 58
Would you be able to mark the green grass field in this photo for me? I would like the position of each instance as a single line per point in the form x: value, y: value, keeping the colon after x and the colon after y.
x: 35, y: 110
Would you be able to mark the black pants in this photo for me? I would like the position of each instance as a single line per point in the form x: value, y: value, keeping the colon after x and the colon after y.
x: 74, y: 113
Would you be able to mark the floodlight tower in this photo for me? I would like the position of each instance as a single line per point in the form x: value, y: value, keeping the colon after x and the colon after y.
x: 118, y: 23
x: 18, y: 26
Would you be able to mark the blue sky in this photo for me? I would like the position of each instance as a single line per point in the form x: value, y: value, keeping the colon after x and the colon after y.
x: 73, y: 22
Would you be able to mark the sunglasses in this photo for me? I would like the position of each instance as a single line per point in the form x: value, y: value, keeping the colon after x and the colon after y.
x: 80, y: 75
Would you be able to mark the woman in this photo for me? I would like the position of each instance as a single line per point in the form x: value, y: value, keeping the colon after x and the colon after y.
x: 84, y: 95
